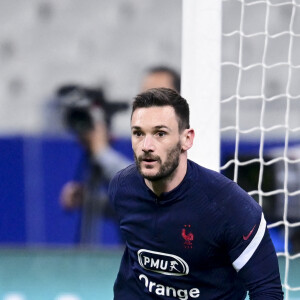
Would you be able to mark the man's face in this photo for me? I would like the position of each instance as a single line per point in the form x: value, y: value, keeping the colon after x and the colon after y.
x: 156, y: 142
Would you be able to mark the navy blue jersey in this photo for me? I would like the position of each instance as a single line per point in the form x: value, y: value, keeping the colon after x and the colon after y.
x: 206, y: 239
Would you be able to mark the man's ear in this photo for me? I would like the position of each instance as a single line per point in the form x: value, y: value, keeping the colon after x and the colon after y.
x: 187, y: 139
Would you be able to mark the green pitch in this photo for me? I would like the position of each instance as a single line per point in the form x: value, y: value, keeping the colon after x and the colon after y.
x: 49, y: 274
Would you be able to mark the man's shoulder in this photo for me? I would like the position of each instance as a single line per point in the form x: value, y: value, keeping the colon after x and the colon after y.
x: 220, y: 189
x: 205, y: 172
x: 130, y: 173
x: 209, y: 180
x: 125, y: 179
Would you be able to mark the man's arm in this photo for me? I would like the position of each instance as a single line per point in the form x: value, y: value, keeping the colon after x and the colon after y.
x: 111, y: 161
x: 261, y: 272
x: 249, y: 245
x: 102, y: 153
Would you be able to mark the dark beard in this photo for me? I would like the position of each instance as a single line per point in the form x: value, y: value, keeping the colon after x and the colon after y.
x: 166, y: 169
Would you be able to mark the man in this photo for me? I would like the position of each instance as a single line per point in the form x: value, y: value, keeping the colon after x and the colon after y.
x: 190, y: 232
x: 89, y: 192
x: 161, y: 76
x: 88, y: 115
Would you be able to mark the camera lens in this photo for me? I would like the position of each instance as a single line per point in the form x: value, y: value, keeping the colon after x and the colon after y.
x: 79, y: 120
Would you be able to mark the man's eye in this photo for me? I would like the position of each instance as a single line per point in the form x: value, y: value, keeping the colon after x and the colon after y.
x: 161, y: 133
x: 137, y: 133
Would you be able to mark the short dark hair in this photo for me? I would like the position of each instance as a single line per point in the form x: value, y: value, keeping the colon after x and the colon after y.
x: 165, y: 97
x: 170, y: 71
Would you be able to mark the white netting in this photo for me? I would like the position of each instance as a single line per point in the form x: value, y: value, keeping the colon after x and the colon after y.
x: 260, y: 113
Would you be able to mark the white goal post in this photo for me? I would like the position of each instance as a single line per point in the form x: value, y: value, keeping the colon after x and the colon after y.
x: 241, y: 76
x: 200, y: 73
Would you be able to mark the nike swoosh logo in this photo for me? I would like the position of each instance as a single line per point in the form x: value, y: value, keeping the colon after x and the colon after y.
x: 249, y: 234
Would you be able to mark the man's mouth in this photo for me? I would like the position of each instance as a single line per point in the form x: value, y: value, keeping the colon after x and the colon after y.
x: 149, y: 160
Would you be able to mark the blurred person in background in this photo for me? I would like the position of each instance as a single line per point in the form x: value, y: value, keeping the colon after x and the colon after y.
x: 161, y: 76
x: 88, y: 114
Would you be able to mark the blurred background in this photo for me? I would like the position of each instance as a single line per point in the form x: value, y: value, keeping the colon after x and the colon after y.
x: 48, y: 44
x: 45, y: 45
x: 107, y: 47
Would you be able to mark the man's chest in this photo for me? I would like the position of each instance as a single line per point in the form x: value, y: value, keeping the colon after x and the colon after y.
x: 162, y: 235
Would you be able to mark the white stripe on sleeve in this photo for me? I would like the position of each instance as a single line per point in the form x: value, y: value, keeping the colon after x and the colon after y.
x: 248, y: 252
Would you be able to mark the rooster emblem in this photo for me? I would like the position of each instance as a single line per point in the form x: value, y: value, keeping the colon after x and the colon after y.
x: 188, y: 237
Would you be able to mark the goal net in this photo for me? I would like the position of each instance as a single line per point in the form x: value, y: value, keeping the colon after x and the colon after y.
x: 241, y: 72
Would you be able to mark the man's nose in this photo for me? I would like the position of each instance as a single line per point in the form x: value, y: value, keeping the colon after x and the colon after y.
x: 148, y: 144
